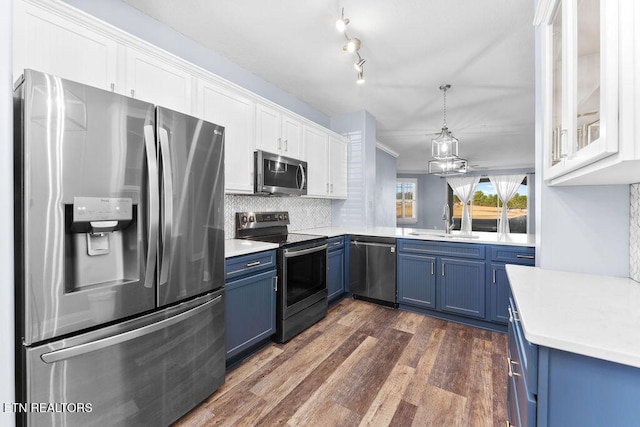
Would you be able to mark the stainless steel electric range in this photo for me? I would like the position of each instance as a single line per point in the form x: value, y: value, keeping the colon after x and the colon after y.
x: 302, y: 270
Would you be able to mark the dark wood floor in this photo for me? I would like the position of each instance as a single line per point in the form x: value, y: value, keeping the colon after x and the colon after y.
x: 366, y: 364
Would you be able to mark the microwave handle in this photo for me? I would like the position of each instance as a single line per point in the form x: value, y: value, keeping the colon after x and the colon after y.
x: 302, y: 174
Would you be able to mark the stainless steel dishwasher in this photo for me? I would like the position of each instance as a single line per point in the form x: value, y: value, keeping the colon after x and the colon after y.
x: 372, y: 271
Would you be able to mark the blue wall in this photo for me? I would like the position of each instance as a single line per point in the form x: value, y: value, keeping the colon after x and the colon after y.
x: 385, y: 195
x: 131, y: 20
x: 431, y: 198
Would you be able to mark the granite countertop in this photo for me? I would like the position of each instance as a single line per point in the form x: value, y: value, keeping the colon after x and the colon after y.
x: 587, y: 314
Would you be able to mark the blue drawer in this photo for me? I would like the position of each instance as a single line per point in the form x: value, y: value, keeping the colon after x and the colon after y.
x: 522, y: 404
x: 513, y: 254
x: 522, y: 352
x: 336, y: 243
x: 460, y: 250
x: 249, y: 264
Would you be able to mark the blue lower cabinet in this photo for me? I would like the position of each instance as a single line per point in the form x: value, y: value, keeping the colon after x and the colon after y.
x: 417, y: 280
x: 499, y: 294
x: 462, y: 287
x: 250, y: 311
x: 335, y: 276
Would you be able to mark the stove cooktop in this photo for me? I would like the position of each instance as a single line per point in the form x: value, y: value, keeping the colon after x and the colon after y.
x: 287, y: 239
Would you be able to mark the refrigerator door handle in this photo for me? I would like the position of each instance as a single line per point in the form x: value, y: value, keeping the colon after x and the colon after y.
x: 167, y: 204
x: 152, y: 169
x: 78, y: 350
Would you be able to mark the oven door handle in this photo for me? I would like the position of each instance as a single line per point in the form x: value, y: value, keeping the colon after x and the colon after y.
x: 289, y: 253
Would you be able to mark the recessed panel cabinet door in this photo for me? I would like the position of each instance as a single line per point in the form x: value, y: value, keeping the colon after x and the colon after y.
x: 62, y: 46
x: 236, y: 114
x: 462, y: 287
x: 499, y: 284
x: 335, y: 277
x: 338, y: 167
x: 417, y: 280
x: 160, y: 82
x: 316, y: 146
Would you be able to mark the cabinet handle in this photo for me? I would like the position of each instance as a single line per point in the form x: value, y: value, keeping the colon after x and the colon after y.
x: 113, y: 87
x: 332, y: 188
x: 279, y: 143
x: 133, y: 93
x: 337, y: 243
x: 433, y: 267
x: 508, y: 423
x: 494, y: 275
x: 275, y: 283
x: 253, y: 264
x: 525, y: 256
x: 327, y: 187
x: 286, y: 145
x: 510, y: 370
x: 442, y: 265
x: 513, y: 315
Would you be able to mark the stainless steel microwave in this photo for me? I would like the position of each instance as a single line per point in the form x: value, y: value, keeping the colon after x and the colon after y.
x: 279, y: 175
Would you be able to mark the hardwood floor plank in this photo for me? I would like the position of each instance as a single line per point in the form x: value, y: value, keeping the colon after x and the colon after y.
x: 384, y: 406
x: 405, y: 413
x: 334, y: 382
x: 451, y: 369
x: 408, y: 322
x: 369, y: 365
x: 440, y: 407
x: 414, y: 391
x: 480, y: 385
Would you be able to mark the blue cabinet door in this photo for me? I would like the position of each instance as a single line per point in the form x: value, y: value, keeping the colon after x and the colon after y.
x: 250, y: 311
x: 417, y: 280
x: 462, y: 287
x: 335, y: 276
x: 499, y: 284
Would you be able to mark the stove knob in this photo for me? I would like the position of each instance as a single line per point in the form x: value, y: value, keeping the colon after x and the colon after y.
x: 280, y: 217
x: 286, y: 216
x: 251, y: 218
x: 243, y: 220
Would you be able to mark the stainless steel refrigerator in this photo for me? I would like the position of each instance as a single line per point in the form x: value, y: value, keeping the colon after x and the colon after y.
x: 119, y: 257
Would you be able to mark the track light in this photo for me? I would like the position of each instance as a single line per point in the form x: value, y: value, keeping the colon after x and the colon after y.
x: 353, y: 45
x: 342, y: 23
x: 358, y: 65
x: 360, y: 80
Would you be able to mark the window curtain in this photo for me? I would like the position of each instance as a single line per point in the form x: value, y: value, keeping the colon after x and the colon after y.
x: 506, y: 186
x: 463, y: 187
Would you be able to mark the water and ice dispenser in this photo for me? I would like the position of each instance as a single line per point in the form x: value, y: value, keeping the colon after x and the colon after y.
x: 102, y: 242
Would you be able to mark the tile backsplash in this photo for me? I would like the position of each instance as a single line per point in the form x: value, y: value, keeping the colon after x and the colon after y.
x: 303, y: 212
x: 634, y: 232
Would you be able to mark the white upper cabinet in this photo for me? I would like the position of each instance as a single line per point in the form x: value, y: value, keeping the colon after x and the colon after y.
x: 47, y: 39
x: 157, y: 80
x: 326, y: 163
x: 587, y: 91
x: 278, y: 132
x: 338, y: 146
x: 236, y: 113
x: 317, y: 148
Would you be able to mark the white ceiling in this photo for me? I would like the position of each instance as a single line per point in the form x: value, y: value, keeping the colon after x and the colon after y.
x: 484, y: 49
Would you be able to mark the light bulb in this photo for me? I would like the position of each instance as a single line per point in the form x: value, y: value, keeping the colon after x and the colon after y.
x: 353, y: 45
x: 360, y: 78
x: 341, y: 24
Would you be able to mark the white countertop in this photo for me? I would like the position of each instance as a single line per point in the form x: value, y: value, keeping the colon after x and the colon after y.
x: 516, y: 239
x: 235, y: 247
x: 587, y: 314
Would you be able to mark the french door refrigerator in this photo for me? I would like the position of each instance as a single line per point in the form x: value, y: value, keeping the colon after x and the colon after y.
x: 119, y: 257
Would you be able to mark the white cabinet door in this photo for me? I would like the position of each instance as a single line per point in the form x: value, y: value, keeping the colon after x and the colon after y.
x: 292, y: 145
x: 338, y: 167
x: 316, y: 146
x: 268, y: 129
x: 48, y: 42
x: 278, y: 132
x: 159, y: 81
x: 236, y: 113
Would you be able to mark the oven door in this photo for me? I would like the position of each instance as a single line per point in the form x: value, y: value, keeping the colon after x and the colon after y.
x: 304, y: 278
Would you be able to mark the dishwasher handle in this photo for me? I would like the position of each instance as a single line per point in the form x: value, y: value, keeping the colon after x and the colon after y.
x: 379, y: 245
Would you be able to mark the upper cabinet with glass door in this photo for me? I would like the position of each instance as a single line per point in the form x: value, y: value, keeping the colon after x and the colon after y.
x: 586, y: 45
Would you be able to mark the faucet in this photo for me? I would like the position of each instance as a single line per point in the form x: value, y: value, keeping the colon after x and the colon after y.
x: 447, y: 218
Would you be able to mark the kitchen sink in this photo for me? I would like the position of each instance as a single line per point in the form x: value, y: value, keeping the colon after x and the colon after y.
x: 443, y: 235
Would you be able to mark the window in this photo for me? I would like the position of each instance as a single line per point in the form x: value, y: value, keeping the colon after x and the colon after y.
x: 486, y: 206
x: 406, y: 201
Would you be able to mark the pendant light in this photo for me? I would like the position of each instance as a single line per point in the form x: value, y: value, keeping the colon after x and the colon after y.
x: 444, y: 148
